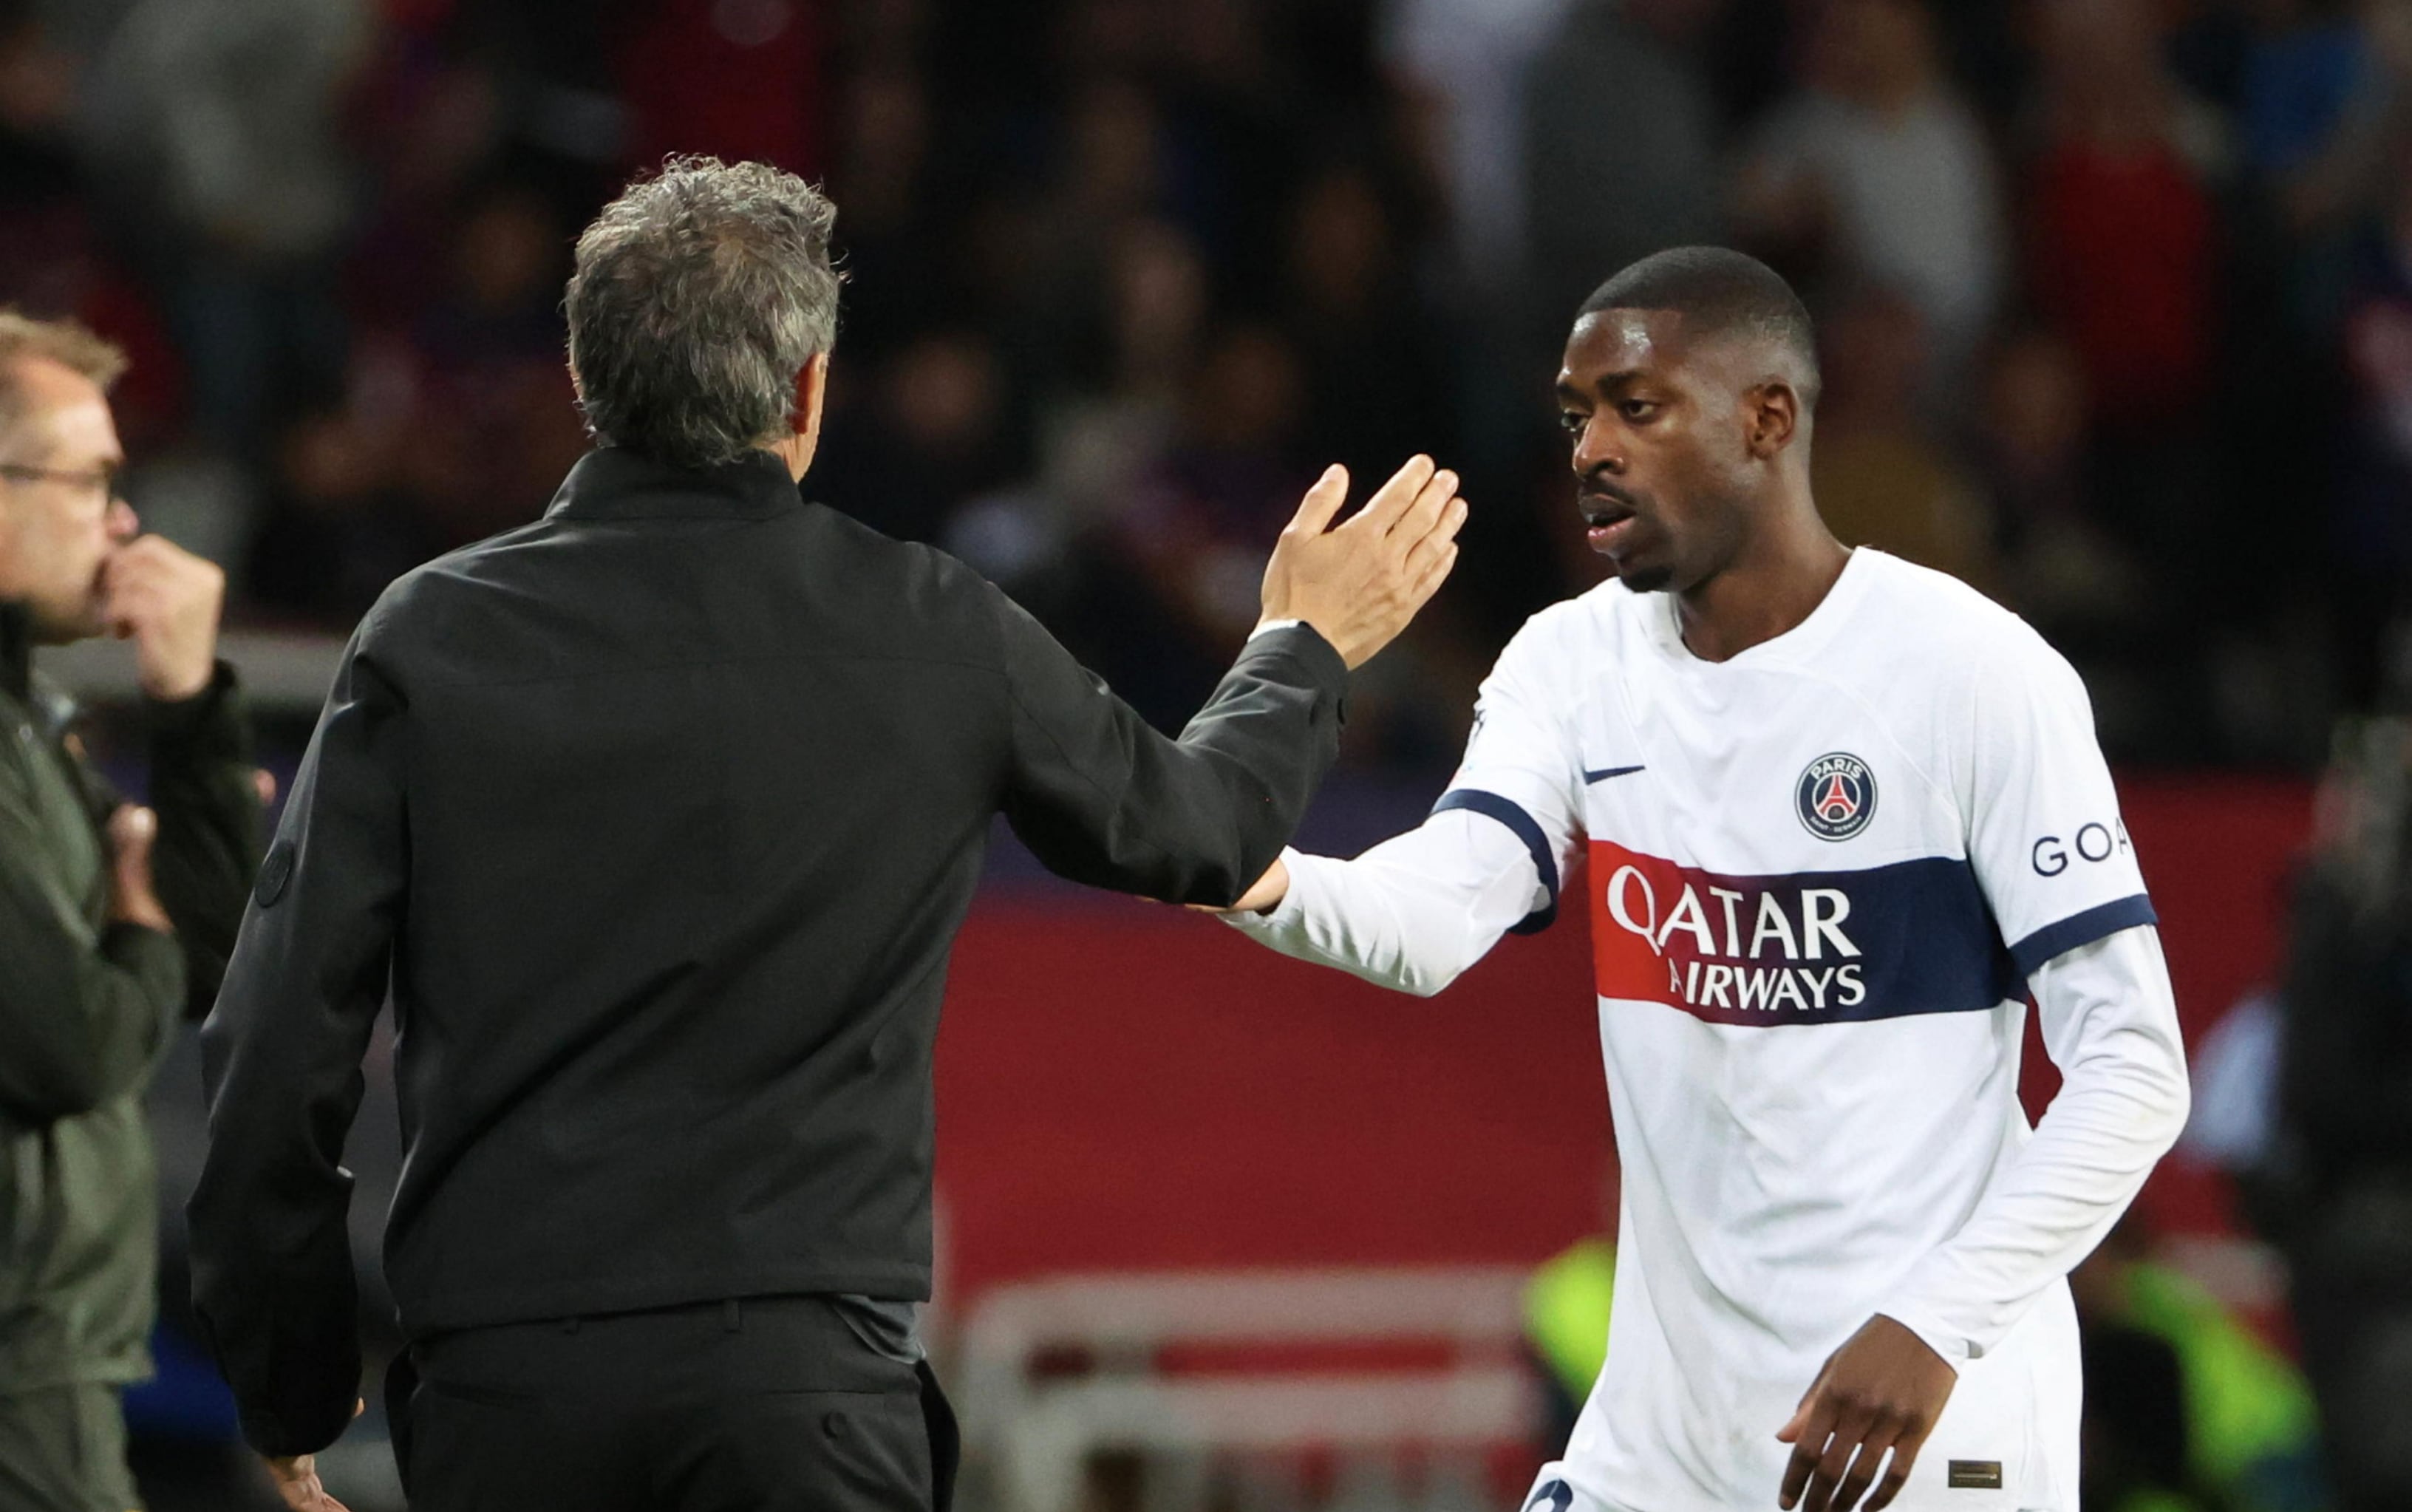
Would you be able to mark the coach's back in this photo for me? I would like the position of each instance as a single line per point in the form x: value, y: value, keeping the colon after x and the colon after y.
x: 696, y: 779
x: 665, y: 811
x: 655, y: 820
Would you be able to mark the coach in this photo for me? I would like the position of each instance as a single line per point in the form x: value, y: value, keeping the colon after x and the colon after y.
x: 656, y: 818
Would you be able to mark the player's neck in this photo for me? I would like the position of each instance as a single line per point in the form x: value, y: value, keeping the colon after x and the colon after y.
x: 1778, y: 581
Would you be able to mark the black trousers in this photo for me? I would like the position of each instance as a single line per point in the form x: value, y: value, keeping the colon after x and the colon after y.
x: 761, y: 1405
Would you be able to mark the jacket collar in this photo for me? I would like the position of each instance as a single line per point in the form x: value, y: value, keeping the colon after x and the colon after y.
x: 614, y: 483
x: 16, y: 649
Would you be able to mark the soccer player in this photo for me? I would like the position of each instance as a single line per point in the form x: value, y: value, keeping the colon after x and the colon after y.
x: 1841, y: 814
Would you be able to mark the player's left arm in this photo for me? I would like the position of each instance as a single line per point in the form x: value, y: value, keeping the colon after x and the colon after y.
x: 2110, y: 1022
x: 2058, y: 869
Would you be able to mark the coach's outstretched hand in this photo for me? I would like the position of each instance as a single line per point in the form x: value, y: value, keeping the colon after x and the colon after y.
x: 1360, y: 583
x: 1883, y: 1390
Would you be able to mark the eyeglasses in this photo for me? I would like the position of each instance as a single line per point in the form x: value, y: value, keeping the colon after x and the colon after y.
x: 100, y: 479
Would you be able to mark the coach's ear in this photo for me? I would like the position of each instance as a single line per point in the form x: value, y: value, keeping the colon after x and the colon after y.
x: 812, y: 392
x: 1771, y: 417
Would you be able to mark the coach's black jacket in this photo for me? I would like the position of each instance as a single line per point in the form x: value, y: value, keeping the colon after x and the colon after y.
x: 658, y: 818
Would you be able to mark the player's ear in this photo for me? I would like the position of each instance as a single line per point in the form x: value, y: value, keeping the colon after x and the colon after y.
x: 1771, y: 415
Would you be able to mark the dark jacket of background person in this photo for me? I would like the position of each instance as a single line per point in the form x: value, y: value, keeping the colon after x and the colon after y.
x: 2336, y: 1193
x: 659, y: 816
x: 87, y: 1007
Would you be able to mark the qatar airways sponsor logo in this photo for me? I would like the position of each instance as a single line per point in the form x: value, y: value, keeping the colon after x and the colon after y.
x: 1755, y: 948
x: 1911, y: 936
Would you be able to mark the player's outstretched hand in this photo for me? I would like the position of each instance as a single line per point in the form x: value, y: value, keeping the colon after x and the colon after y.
x: 1882, y: 1390
x: 1361, y: 582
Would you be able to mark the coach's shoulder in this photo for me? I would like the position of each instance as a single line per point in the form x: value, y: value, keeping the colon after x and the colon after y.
x: 922, y: 596
x: 430, y: 588
x: 852, y: 545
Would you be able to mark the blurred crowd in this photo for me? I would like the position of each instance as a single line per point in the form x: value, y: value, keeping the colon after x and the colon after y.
x: 2117, y: 295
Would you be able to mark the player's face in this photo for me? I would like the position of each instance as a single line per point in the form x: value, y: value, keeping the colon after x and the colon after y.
x: 1660, y: 457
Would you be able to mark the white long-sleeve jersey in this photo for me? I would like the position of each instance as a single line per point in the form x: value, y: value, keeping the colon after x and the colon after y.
x: 1822, y: 876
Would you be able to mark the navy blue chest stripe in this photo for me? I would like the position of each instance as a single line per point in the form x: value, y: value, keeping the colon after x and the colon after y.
x: 1606, y: 772
x: 1927, y: 939
x: 1525, y: 827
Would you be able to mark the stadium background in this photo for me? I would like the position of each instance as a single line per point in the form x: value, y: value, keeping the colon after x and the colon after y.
x: 2116, y: 298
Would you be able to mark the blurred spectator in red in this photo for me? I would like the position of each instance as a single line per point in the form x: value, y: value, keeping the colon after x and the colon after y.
x: 1880, y: 477
x: 1879, y: 174
x: 737, y: 79
x: 1621, y: 142
x: 2122, y: 233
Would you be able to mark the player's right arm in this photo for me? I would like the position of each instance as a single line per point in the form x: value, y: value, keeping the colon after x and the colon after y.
x: 1416, y: 910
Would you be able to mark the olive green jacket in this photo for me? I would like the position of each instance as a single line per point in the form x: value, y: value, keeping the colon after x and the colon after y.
x: 87, y: 1006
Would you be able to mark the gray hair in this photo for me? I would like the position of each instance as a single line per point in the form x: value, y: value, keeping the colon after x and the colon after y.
x: 700, y: 294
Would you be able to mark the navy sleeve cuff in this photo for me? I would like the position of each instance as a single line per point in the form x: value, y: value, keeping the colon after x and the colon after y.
x: 1525, y: 827
x: 2055, y: 940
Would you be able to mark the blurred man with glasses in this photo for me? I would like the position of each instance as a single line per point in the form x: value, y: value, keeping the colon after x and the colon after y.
x: 115, y: 919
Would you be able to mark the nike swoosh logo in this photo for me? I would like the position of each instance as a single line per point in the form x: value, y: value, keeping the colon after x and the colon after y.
x: 1601, y: 776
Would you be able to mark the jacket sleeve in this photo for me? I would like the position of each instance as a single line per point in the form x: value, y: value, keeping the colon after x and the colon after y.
x: 208, y: 849
x: 1102, y: 797
x: 273, y: 1280
x: 83, y: 1010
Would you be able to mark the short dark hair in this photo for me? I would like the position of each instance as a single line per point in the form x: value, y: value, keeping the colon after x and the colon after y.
x: 1722, y: 291
x: 699, y: 295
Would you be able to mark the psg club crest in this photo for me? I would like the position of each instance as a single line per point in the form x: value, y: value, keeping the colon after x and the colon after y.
x: 1836, y: 796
